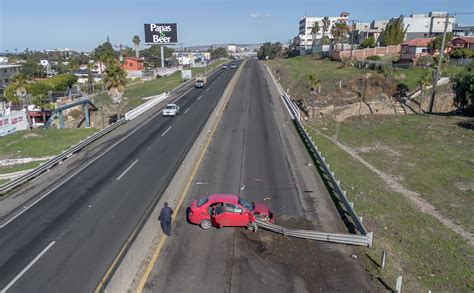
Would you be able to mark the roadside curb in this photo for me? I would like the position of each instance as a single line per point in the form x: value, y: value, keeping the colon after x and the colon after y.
x: 136, y: 265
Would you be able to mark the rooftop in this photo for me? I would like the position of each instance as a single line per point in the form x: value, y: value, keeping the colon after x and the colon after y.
x: 419, y: 42
x: 469, y: 40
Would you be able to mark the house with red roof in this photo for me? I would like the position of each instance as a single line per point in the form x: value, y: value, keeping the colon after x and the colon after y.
x: 416, y: 48
x: 463, y: 42
x: 132, y: 64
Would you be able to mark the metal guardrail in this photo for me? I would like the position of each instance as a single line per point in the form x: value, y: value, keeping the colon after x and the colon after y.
x: 63, y: 156
x: 362, y: 240
x: 342, y: 238
x: 145, y: 106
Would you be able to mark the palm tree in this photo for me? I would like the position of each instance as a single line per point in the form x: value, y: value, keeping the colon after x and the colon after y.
x: 136, y: 40
x: 326, y: 23
x: 313, y: 83
x: 19, y: 83
x: 424, y: 81
x: 314, y: 32
x: 339, y: 31
x: 115, y: 79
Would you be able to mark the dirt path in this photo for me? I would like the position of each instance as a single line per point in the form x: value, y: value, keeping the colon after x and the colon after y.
x: 413, y: 196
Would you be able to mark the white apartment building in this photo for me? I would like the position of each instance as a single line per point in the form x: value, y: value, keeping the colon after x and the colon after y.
x: 426, y: 25
x: 7, y: 71
x: 304, y: 39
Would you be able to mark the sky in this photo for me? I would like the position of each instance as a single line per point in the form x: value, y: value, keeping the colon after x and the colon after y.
x: 83, y: 24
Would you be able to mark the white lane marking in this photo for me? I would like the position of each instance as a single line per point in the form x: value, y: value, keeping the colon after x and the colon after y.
x: 208, y: 89
x: 199, y: 98
x: 179, y: 98
x: 242, y: 188
x: 186, y: 110
x: 27, y: 267
x: 68, y: 178
x: 166, y: 131
x: 126, y: 170
x: 25, y: 208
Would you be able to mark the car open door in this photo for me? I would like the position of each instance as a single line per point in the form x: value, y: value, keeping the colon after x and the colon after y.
x: 219, y: 216
x: 237, y: 216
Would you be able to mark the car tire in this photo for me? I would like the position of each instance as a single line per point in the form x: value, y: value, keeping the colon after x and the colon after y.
x: 205, y: 224
x: 252, y: 227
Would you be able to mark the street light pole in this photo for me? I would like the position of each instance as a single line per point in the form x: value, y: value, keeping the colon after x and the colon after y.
x: 438, y: 67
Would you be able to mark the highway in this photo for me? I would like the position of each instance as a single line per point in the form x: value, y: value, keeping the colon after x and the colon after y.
x: 67, y: 241
x: 248, y: 157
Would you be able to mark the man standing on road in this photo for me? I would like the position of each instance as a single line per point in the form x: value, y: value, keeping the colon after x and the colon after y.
x: 165, y: 219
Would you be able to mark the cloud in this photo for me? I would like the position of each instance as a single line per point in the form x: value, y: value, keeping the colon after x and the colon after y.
x: 259, y: 15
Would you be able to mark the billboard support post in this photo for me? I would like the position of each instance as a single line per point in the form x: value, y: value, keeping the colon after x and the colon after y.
x: 162, y: 57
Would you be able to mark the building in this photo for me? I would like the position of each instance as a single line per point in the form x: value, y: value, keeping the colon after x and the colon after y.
x: 463, y: 42
x: 7, y: 71
x: 304, y: 40
x: 362, y: 31
x: 426, y: 25
x: 133, y: 64
x: 231, y: 48
x: 463, y: 31
x: 412, y: 50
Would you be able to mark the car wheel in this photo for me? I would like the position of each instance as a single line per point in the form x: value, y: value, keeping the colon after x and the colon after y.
x: 206, y: 224
x: 252, y: 227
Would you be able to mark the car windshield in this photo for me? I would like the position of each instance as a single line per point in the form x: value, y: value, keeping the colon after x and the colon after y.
x: 202, y: 201
x: 170, y: 107
x: 247, y: 204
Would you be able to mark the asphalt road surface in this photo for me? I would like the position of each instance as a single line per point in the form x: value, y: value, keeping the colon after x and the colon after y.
x: 67, y: 241
x: 246, y: 157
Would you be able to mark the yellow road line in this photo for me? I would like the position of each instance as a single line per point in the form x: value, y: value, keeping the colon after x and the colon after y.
x: 156, y: 254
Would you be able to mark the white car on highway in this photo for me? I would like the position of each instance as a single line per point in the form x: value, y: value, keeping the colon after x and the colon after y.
x: 171, y: 110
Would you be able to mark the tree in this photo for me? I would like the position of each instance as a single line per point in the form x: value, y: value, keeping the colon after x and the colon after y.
x: 314, y: 84
x: 424, y: 81
x: 314, y: 32
x: 18, y: 86
x: 394, y: 33
x: 136, y: 41
x: 368, y: 43
x: 105, y: 54
x: 115, y: 79
x: 31, y: 69
x: 269, y: 50
x: 326, y: 24
x: 218, y: 53
x: 436, y: 42
x: 463, y: 86
x: 339, y: 31
x: 462, y: 53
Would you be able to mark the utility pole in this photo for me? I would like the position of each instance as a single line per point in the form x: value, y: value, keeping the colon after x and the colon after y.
x: 162, y: 57
x: 352, y: 38
x: 438, y: 67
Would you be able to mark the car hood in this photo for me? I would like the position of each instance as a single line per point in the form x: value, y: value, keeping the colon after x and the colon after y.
x: 261, y: 208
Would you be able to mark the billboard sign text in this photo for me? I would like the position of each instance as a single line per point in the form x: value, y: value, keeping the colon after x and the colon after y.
x: 161, y: 33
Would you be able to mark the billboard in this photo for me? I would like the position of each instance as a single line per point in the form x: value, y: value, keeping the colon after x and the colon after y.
x: 161, y: 33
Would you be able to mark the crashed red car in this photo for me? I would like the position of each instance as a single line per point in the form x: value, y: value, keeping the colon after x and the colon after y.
x: 221, y: 210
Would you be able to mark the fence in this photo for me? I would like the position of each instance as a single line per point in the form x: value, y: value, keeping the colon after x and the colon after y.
x: 365, y: 238
x: 363, y: 53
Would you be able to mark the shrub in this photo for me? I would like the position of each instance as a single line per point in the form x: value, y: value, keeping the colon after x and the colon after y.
x: 374, y: 58
x: 368, y: 43
x: 462, y: 53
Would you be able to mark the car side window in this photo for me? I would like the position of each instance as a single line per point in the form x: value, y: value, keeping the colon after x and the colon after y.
x: 233, y: 208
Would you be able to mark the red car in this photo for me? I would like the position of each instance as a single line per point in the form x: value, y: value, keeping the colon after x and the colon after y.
x: 229, y: 210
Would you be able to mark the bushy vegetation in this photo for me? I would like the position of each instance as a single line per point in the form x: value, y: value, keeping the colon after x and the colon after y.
x: 269, y: 50
x: 368, y: 43
x: 462, y: 53
x: 463, y: 86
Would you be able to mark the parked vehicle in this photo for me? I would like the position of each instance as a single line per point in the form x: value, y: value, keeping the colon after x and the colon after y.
x: 171, y: 110
x: 200, y: 82
x: 227, y: 210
